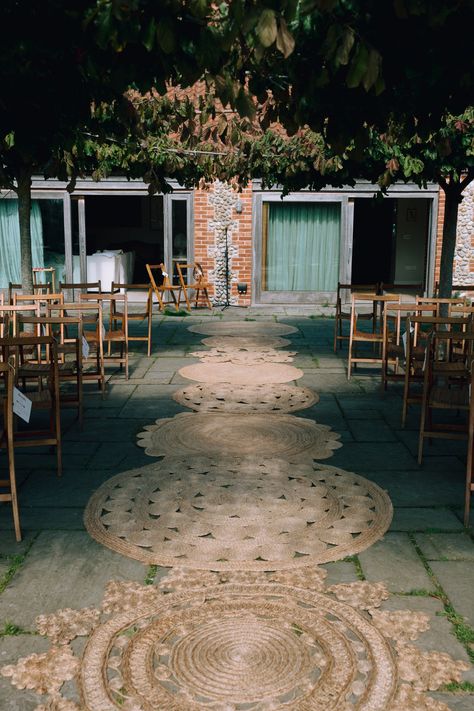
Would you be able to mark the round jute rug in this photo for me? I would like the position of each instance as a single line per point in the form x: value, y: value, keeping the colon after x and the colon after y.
x: 231, y: 646
x: 224, y: 397
x: 261, y: 373
x: 231, y: 435
x: 237, y: 514
x: 244, y: 356
x: 243, y: 328
x: 257, y: 343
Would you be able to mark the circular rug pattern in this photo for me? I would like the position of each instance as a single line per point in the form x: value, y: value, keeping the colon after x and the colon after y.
x: 224, y: 397
x: 243, y: 356
x: 258, y: 343
x: 243, y: 328
x: 228, y: 646
x: 224, y: 434
x: 237, y: 514
x: 261, y: 373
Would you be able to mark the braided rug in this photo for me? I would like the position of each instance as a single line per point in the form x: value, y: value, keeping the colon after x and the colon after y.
x: 243, y: 328
x: 259, y: 374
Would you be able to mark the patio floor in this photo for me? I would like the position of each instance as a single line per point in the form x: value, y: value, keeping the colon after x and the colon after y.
x: 427, y: 556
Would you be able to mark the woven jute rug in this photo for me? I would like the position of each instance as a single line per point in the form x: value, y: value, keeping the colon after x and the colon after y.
x: 231, y: 435
x: 257, y: 343
x: 237, y: 514
x: 224, y: 397
x: 257, y: 643
x: 243, y: 328
x: 261, y: 373
x: 244, y: 356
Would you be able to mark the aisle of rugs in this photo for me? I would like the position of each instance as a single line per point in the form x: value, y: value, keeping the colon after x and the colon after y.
x: 239, y: 504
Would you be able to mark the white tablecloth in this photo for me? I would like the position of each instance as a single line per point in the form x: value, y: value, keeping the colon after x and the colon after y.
x: 107, y: 267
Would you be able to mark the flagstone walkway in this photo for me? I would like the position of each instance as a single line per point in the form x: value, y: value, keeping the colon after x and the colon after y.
x: 427, y: 556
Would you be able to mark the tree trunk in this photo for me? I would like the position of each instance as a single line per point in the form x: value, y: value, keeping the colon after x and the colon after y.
x: 24, y: 215
x: 452, y: 191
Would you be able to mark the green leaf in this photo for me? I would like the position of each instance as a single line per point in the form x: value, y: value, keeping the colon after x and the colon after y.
x: 150, y: 34
x: 284, y: 41
x: 373, y: 69
x: 166, y: 38
x: 267, y: 28
x: 358, y: 66
x: 345, y: 46
x: 10, y: 139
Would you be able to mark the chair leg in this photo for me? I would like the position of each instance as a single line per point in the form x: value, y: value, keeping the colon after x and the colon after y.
x: 149, y: 336
x: 12, y: 473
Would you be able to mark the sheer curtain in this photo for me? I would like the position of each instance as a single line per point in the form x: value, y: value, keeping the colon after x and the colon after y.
x: 10, y: 258
x: 302, y: 250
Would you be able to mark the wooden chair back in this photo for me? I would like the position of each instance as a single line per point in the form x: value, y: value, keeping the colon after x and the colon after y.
x: 198, y: 283
x: 118, y: 287
x: 72, y: 287
x: 44, y: 278
x: 161, y: 285
x: 6, y: 441
x: 118, y: 311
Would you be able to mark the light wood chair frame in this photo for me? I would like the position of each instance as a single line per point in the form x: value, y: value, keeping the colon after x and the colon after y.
x: 470, y: 452
x: 7, y: 377
x: 12, y: 349
x: 166, y: 288
x: 111, y: 334
x: 199, y: 285
x: 133, y: 316
x: 375, y: 337
x: 452, y: 396
x: 341, y: 315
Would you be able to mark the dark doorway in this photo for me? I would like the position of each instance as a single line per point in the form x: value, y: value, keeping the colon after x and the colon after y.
x: 373, y: 245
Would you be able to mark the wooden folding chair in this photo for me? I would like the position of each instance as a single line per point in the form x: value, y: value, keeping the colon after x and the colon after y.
x: 445, y: 385
x: 69, y: 369
x: 6, y: 436
x: 132, y: 315
x: 42, y: 301
x: 439, y: 303
x: 198, y: 284
x: 44, y: 278
x: 87, y: 287
x: 341, y: 315
x: 18, y: 289
x: 419, y: 326
x: 393, y: 348
x: 43, y: 396
x: 374, y: 338
x: 93, y: 333
x: 113, y: 335
x: 162, y: 287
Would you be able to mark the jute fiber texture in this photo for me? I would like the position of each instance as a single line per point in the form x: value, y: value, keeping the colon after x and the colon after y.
x: 224, y: 397
x: 222, y: 434
x: 254, y: 642
x: 244, y: 356
x: 257, y: 343
x: 237, y: 374
x: 237, y: 514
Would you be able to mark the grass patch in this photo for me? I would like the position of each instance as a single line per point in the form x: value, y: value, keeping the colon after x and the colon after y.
x: 456, y: 686
x: 181, y: 313
x: 12, y: 630
x: 247, y: 318
x: 463, y: 632
x: 420, y: 592
x: 356, y: 563
x: 151, y: 574
x: 315, y: 361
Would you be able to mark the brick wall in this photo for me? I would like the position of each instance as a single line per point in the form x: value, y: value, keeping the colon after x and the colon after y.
x: 206, y: 218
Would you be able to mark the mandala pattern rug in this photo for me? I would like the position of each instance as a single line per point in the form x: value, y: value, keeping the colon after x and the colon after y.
x: 259, y: 374
x: 257, y: 343
x: 258, y: 642
x: 229, y: 435
x: 237, y: 514
x: 243, y: 328
x: 224, y: 397
x: 243, y: 356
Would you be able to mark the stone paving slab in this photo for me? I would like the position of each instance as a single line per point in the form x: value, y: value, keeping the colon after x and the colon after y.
x: 439, y: 637
x: 456, y: 702
x: 63, y: 569
x: 11, y: 649
x: 457, y: 580
x: 422, y: 519
x: 38, y: 518
x: 446, y: 546
x: 394, y: 561
x: 420, y: 488
x: 371, y: 431
x: 366, y: 457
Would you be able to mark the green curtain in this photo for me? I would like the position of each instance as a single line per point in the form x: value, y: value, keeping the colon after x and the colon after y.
x: 302, y: 251
x: 10, y: 258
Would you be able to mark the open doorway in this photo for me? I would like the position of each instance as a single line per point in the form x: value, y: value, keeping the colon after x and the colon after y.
x: 390, y: 240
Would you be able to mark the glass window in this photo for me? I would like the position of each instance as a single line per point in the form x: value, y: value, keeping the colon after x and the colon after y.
x: 301, y: 244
